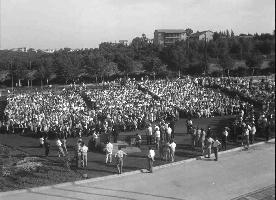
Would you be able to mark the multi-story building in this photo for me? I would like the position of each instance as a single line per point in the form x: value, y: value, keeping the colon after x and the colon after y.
x: 166, y: 37
x: 208, y: 35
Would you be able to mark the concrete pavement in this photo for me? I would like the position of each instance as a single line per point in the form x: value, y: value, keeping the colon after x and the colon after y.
x: 235, y: 174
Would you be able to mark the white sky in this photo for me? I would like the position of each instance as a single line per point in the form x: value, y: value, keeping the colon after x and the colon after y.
x: 86, y: 23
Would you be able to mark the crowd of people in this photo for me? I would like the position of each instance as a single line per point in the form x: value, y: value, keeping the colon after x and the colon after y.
x: 46, y: 111
x: 260, y: 91
x: 151, y: 105
x: 192, y: 98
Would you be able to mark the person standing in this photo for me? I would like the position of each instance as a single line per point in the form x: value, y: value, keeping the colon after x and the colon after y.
x: 41, y: 141
x: 224, y: 138
x: 149, y: 134
x: 83, y: 150
x: 157, y: 137
x: 267, y: 132
x: 194, y: 131
x: 253, y: 132
x: 202, y: 138
x: 47, y: 146
x: 216, y: 145
x: 247, y: 131
x: 150, y: 157
x: 63, y: 141
x: 120, y: 160
x: 78, y: 152
x: 169, y: 133
x: 60, y: 149
x: 172, y: 150
x: 138, y: 140
x: 209, y: 143
x: 108, y: 152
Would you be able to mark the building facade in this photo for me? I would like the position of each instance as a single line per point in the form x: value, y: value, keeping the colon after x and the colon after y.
x: 202, y: 35
x: 166, y: 37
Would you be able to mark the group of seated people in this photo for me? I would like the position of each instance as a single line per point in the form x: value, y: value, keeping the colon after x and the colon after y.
x: 57, y: 112
x: 260, y: 90
x: 192, y: 98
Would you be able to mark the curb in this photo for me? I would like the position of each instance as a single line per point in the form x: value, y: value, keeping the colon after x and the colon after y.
x: 92, y: 180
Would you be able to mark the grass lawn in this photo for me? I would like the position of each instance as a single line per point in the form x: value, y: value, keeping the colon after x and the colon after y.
x: 54, y: 170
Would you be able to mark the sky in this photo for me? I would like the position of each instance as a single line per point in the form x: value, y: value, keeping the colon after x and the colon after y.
x: 57, y: 24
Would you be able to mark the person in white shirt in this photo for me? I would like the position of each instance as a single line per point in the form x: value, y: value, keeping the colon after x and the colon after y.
x: 83, y: 150
x: 150, y: 158
x: 108, y: 152
x: 172, y: 152
x: 60, y: 149
x: 216, y: 145
x: 224, y: 138
x: 209, y: 143
x: 169, y: 133
x: 149, y: 135
x: 41, y: 142
x: 246, y: 135
x: 120, y: 160
x: 157, y: 137
x: 252, y: 132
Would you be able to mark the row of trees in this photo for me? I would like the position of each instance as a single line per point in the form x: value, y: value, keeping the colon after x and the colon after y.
x: 191, y: 56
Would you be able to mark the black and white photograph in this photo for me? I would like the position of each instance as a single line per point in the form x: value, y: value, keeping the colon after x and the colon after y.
x: 137, y: 100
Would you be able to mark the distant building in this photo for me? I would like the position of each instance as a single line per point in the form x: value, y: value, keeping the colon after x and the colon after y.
x: 21, y: 49
x: 166, y: 37
x: 48, y: 50
x: 202, y: 35
x: 124, y: 42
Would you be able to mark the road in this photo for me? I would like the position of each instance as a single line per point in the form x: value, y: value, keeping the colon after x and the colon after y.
x: 234, y: 175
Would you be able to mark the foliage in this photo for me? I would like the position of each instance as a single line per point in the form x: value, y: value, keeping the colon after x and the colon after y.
x: 141, y: 56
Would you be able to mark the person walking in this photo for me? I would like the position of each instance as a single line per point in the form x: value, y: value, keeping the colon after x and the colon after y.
x: 150, y: 157
x: 120, y: 160
x: 216, y: 145
x: 108, y: 152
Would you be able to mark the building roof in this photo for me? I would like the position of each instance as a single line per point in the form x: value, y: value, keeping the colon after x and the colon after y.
x: 171, y: 30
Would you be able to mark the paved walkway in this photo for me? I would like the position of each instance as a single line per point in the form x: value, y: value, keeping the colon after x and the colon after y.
x: 234, y: 175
